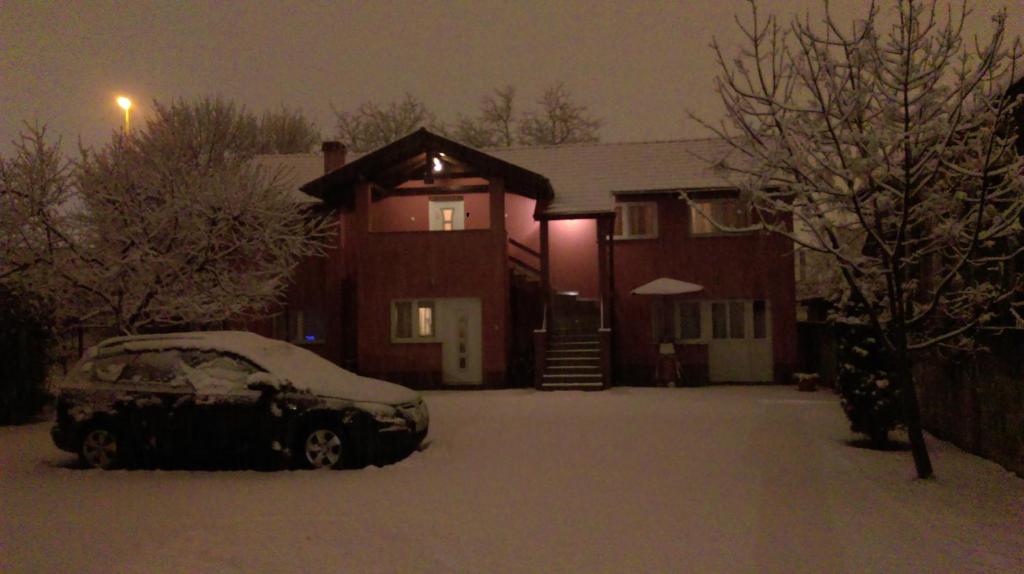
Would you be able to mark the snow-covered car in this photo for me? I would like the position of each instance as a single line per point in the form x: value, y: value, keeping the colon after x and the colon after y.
x: 227, y: 394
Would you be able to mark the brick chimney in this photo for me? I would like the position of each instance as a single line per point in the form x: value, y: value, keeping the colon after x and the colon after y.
x: 334, y: 155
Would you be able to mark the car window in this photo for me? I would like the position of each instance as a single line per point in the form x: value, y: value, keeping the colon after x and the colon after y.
x: 107, y: 369
x: 161, y: 368
x: 217, y: 373
x: 157, y: 368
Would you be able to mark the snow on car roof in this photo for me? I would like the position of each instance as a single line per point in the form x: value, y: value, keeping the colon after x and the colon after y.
x: 302, y: 368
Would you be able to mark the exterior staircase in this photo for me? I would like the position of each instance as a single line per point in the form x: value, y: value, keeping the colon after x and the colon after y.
x: 572, y: 362
x: 572, y: 352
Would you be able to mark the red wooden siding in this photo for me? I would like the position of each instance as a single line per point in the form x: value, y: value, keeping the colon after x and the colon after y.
x: 748, y: 266
x: 423, y: 265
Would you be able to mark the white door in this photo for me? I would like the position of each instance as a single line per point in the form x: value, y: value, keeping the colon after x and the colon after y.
x: 460, y: 334
x: 740, y: 346
x: 447, y: 214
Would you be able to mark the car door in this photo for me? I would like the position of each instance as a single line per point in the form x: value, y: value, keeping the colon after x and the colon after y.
x: 226, y: 414
x: 150, y: 384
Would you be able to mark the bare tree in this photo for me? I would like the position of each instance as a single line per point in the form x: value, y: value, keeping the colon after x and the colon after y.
x: 206, y: 131
x: 286, y: 131
x: 894, y: 136
x: 372, y: 125
x: 558, y: 121
x: 497, y: 124
x: 141, y: 236
x: 34, y: 185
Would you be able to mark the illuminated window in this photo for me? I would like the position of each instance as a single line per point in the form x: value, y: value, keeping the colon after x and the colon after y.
x: 447, y: 213
x: 425, y: 316
x: 412, y: 320
x: 636, y: 220
x: 726, y: 213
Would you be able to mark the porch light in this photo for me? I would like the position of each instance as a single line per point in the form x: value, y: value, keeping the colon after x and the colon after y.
x: 438, y: 166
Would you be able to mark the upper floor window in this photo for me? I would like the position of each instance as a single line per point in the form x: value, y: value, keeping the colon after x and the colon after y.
x: 726, y: 213
x: 447, y: 214
x: 636, y: 220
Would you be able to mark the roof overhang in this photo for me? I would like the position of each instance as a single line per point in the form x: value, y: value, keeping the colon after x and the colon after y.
x: 408, y: 157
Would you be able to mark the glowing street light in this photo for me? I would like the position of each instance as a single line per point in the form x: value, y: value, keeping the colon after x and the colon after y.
x: 126, y: 105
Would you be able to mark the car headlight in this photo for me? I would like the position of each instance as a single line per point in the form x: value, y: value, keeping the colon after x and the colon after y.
x: 391, y: 421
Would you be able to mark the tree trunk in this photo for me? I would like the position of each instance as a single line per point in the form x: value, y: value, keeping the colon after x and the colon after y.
x: 912, y: 413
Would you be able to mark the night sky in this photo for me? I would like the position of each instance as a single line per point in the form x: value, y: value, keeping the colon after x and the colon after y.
x: 638, y: 65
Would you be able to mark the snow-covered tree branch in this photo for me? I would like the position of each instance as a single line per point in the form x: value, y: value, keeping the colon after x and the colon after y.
x: 887, y: 145
x: 172, y: 226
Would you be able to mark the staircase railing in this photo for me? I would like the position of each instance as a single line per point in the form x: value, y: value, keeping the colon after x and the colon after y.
x: 540, y: 349
x: 524, y: 252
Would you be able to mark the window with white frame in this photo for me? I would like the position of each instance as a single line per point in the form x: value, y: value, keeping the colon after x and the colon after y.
x: 734, y: 319
x: 725, y: 212
x: 413, y: 320
x: 636, y: 220
x: 688, y: 321
x: 447, y: 213
x: 731, y: 320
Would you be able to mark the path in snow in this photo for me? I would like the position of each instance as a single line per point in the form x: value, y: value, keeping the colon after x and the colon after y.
x: 727, y: 479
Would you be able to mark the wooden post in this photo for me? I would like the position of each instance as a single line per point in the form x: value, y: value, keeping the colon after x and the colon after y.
x: 602, y: 269
x: 545, y: 260
x: 540, y: 351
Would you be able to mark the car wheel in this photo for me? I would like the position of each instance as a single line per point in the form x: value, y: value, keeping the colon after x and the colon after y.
x: 322, y: 448
x: 100, y: 448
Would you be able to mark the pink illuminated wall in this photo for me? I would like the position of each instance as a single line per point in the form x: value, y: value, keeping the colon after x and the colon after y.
x: 410, y: 212
x: 519, y: 220
x: 573, y: 244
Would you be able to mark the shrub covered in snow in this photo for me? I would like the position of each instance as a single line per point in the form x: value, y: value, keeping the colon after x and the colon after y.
x: 870, y: 398
x: 25, y: 340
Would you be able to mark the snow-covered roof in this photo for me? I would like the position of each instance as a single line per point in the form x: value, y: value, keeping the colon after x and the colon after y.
x: 296, y: 169
x: 586, y: 177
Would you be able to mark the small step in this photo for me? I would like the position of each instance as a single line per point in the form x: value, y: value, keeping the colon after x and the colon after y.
x: 577, y: 358
x: 572, y: 386
x: 594, y: 353
x: 571, y: 377
x: 581, y: 369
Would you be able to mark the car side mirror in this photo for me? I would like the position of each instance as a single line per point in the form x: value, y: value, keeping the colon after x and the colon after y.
x: 262, y: 381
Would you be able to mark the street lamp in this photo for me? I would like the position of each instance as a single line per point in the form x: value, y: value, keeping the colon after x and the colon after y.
x: 126, y: 105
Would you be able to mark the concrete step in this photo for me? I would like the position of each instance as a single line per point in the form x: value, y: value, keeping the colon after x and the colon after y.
x: 581, y: 386
x: 572, y: 369
x: 571, y: 377
x: 574, y: 345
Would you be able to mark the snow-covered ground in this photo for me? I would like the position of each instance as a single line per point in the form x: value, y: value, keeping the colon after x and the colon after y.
x: 725, y: 479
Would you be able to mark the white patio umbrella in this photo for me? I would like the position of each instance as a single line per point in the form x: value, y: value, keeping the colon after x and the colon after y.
x: 667, y: 286
x: 663, y: 287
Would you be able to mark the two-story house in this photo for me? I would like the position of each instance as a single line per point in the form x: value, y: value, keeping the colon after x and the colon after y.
x: 458, y: 268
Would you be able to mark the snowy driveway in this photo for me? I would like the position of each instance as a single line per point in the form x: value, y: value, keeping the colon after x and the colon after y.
x: 728, y: 479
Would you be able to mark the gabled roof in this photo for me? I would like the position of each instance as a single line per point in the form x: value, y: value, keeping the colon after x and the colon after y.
x: 337, y: 186
x: 586, y: 177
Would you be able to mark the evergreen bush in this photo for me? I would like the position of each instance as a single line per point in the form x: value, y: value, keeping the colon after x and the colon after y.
x: 26, y: 339
x: 870, y: 395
